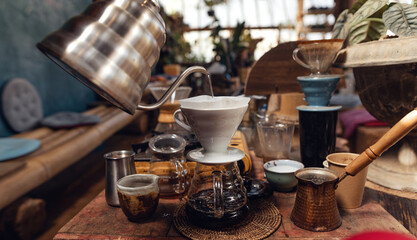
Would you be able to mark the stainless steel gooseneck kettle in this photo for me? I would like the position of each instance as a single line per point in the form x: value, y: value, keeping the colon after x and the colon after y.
x: 111, y: 47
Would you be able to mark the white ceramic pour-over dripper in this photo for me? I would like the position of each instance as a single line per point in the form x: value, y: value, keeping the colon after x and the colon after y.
x: 214, y: 121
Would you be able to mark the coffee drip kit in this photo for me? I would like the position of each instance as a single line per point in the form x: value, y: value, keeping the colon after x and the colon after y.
x: 217, y: 196
x: 315, y: 207
x: 317, y: 119
x: 112, y: 46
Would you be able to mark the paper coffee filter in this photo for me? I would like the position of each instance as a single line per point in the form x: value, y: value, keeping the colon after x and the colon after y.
x: 128, y: 185
x: 218, y: 102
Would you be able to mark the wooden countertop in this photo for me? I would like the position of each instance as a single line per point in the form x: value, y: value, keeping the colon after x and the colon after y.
x: 100, y: 221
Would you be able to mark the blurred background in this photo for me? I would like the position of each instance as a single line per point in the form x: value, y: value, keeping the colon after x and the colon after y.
x: 198, y: 32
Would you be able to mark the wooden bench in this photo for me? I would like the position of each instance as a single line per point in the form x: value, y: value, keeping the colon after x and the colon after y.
x: 60, y: 148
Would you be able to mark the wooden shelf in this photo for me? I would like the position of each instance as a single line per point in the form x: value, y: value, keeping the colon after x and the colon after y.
x: 308, y: 29
x: 319, y: 12
x: 302, y: 30
x: 248, y: 28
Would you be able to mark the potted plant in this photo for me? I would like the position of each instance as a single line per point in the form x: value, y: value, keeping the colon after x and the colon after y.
x: 383, y: 65
x: 368, y: 20
x: 176, y: 49
x: 233, y: 52
x: 385, y: 76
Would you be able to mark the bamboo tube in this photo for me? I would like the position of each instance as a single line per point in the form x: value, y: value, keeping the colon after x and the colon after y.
x: 96, y: 110
x: 52, y: 136
x: 39, y: 133
x: 50, y: 139
x: 99, y: 111
x: 34, y: 134
x: 61, y: 136
x: 107, y: 113
x: 44, y: 166
x: 57, y: 137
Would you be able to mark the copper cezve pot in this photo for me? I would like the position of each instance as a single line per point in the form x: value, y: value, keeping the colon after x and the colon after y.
x: 315, y: 207
x: 111, y: 47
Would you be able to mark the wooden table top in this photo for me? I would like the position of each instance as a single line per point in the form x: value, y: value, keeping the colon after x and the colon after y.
x: 100, y: 221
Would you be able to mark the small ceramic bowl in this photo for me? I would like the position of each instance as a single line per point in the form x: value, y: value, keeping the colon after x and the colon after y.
x: 280, y: 174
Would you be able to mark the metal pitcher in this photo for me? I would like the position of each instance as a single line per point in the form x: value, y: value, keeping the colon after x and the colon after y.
x: 111, y: 47
x: 118, y: 164
x: 315, y: 207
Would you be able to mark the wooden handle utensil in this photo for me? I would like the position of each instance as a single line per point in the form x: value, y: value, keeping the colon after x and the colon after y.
x: 396, y: 133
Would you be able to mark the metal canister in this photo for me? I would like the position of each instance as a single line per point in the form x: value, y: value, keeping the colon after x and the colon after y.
x: 118, y: 164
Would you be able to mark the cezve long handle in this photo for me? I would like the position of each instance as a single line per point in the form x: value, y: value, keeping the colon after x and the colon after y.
x: 396, y: 133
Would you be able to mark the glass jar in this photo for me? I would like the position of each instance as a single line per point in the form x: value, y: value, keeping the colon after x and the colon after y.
x: 168, y: 163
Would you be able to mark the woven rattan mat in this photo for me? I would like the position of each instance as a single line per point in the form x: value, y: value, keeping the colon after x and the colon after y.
x: 263, y: 219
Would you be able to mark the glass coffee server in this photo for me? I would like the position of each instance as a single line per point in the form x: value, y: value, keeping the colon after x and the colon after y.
x: 217, y: 196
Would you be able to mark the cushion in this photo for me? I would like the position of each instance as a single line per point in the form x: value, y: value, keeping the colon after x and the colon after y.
x: 21, y: 105
x: 69, y: 119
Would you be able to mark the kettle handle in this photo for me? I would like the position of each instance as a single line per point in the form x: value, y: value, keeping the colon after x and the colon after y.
x: 173, y: 87
x: 396, y: 133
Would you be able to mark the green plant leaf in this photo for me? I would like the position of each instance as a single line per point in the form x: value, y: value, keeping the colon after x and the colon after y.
x: 380, y: 12
x: 358, y: 4
x: 368, y: 9
x: 401, y: 19
x: 367, y: 30
x: 338, y: 29
x: 237, y: 33
x: 216, y: 31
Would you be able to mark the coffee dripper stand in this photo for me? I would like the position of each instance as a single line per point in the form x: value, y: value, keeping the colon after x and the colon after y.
x: 318, y: 88
x: 217, y: 196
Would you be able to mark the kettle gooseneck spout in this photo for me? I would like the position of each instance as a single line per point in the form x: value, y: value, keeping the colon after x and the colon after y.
x: 174, y: 86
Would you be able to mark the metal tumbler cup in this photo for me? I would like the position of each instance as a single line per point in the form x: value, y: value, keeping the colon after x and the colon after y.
x: 118, y: 164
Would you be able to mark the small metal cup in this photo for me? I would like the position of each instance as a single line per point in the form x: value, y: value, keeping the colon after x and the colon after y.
x: 118, y: 164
